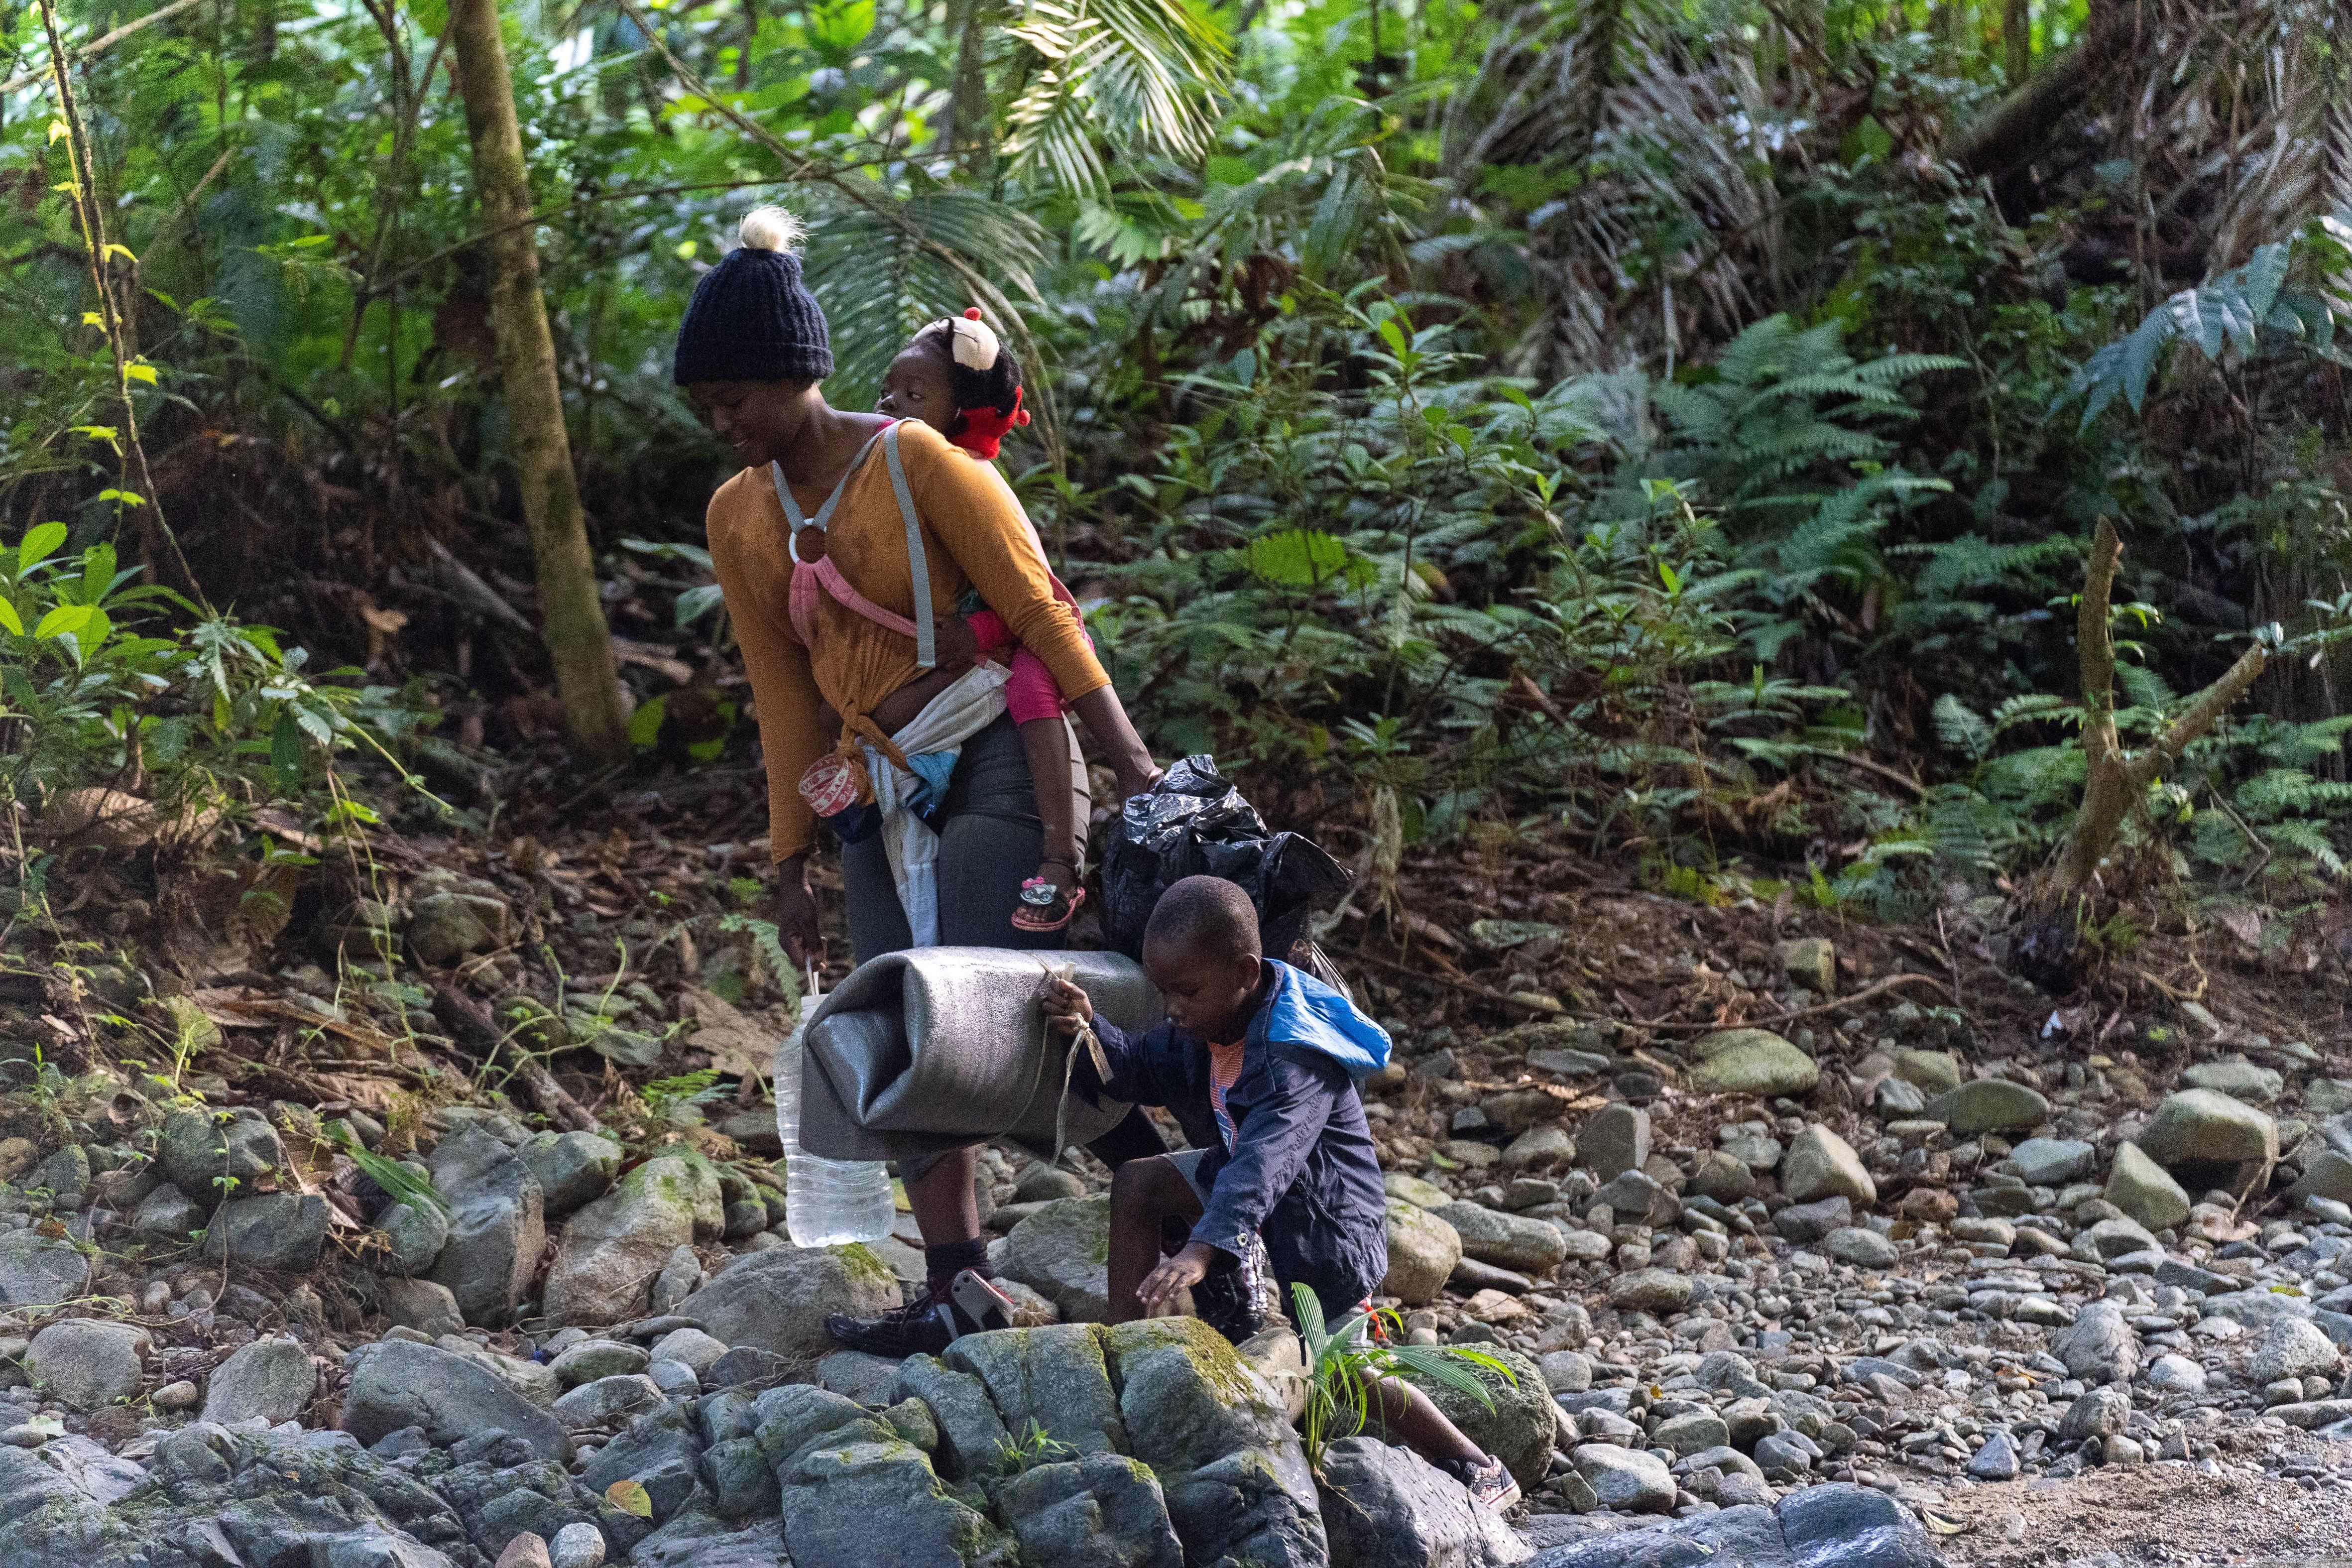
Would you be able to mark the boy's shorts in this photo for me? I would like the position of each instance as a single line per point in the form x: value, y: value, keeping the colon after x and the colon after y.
x: 1188, y: 1165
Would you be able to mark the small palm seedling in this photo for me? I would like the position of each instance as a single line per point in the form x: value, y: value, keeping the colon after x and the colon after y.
x: 1033, y: 1446
x: 1340, y: 1361
x: 399, y: 1182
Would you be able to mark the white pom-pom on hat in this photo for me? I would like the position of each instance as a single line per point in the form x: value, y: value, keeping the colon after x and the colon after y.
x: 972, y: 341
x: 771, y: 228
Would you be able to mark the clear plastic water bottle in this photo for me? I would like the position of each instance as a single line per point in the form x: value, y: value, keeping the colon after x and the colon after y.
x: 826, y: 1202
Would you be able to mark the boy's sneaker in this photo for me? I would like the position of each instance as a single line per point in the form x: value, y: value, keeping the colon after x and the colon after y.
x: 927, y: 1324
x: 1242, y: 1299
x: 1487, y: 1480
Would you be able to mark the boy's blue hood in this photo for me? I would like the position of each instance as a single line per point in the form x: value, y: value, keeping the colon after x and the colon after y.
x: 1303, y: 1011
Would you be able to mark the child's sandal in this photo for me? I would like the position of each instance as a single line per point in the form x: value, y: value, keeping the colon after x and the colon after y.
x: 1040, y: 897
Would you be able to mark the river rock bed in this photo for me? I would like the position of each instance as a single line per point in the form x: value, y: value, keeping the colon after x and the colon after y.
x: 1802, y: 1291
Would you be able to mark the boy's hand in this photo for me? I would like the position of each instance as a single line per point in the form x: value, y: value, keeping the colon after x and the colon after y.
x: 1187, y: 1269
x: 1067, y: 1007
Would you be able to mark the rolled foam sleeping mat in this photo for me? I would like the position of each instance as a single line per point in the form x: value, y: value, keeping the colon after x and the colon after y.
x: 939, y: 1047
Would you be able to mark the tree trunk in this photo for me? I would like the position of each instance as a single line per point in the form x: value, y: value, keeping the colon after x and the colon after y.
x: 2017, y: 41
x: 572, y: 616
x: 968, y: 113
x: 2113, y: 779
x: 2018, y: 129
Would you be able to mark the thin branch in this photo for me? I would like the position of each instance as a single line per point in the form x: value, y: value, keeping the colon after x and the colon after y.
x: 2211, y: 704
x: 103, y: 42
x: 2094, y: 649
x: 83, y: 189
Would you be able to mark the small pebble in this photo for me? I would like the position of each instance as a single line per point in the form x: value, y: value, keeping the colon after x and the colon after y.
x: 578, y: 1546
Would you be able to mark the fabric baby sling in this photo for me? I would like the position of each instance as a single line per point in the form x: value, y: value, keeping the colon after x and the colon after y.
x: 910, y: 783
x: 911, y: 779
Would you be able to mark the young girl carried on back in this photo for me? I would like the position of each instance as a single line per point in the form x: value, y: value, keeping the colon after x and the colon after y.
x: 955, y: 376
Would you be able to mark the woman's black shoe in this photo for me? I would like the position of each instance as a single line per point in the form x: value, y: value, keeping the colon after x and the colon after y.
x: 926, y: 1324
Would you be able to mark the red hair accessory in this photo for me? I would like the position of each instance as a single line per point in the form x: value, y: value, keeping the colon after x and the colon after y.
x: 980, y: 430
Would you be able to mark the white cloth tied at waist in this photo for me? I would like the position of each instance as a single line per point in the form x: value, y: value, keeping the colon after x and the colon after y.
x: 969, y: 704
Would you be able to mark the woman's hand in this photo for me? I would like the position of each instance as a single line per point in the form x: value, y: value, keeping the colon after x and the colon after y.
x: 1187, y: 1269
x: 1067, y: 1008
x: 1130, y: 763
x: 796, y: 922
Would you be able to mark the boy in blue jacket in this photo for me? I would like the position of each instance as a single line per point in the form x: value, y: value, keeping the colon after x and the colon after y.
x: 1259, y: 1063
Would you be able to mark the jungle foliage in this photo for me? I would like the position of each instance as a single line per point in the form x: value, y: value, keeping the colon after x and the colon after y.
x: 1677, y: 428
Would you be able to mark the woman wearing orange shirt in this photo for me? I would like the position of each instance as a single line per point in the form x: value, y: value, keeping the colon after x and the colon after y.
x: 833, y: 681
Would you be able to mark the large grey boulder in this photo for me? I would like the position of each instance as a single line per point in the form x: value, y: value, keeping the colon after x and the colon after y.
x: 1063, y: 1253
x: 1821, y: 1164
x: 1518, y: 1427
x: 1751, y: 1061
x: 1386, y: 1507
x: 612, y: 1250
x: 210, y: 1155
x: 269, y: 1379
x: 1630, y: 1480
x: 414, y: 1235
x: 573, y: 1169
x: 849, y: 1486
x: 1055, y: 1376
x: 395, y: 1383
x: 1102, y: 1511
x: 1506, y: 1240
x: 1990, y: 1105
x: 1221, y: 1442
x: 2145, y: 1190
x: 497, y: 1225
x: 2208, y: 1139
x: 2099, y: 1345
x: 89, y: 1362
x: 40, y: 1271
x: 1614, y: 1139
x: 972, y: 1435
x: 284, y: 1233
x: 777, y: 1301
x: 1422, y: 1251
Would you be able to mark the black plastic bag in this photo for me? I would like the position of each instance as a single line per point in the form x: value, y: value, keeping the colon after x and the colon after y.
x: 1194, y: 823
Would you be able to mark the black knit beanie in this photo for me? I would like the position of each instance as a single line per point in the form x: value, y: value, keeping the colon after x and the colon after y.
x: 750, y: 318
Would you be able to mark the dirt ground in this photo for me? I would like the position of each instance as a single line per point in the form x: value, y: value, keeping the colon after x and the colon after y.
x: 2159, y: 1514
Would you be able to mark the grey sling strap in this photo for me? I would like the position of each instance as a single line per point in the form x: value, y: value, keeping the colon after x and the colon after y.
x: 917, y: 563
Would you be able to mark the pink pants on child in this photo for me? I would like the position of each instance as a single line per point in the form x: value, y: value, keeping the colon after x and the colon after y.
x: 1030, y: 693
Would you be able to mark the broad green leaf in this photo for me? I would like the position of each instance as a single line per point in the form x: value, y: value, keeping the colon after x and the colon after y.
x: 63, y: 621
x: 630, y: 1497
x: 2264, y: 273
x: 97, y: 572
x: 10, y: 619
x: 40, y: 541
x: 645, y: 724
x: 1298, y: 557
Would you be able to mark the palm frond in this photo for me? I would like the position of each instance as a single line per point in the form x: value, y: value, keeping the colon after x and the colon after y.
x: 1136, y: 75
x: 878, y: 283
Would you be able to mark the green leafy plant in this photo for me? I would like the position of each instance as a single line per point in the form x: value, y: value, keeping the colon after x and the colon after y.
x: 2258, y: 310
x: 665, y: 1097
x: 1340, y: 1361
x: 1031, y: 1447
x: 397, y: 1181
